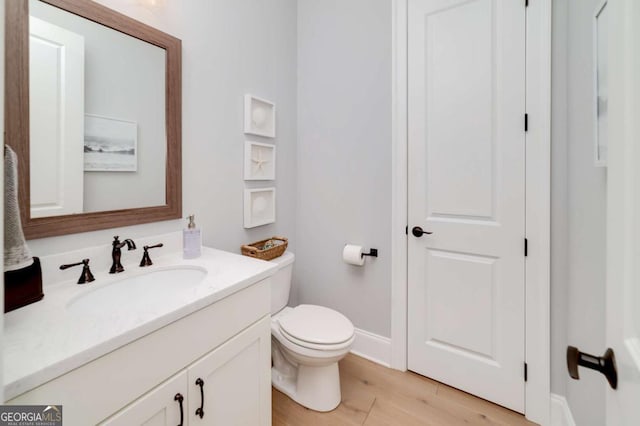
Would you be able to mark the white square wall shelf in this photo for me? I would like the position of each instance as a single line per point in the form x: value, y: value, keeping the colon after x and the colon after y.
x: 259, y: 117
x: 259, y: 207
x: 259, y: 161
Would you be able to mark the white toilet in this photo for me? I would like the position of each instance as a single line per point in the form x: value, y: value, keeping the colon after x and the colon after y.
x: 307, y: 342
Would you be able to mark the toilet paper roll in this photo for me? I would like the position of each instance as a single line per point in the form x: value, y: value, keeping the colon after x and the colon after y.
x: 352, y: 255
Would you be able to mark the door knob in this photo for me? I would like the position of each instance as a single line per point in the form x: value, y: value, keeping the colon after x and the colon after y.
x: 418, y: 232
x: 605, y: 364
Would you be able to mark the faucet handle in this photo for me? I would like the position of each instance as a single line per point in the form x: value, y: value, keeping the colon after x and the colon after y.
x: 146, y: 260
x: 86, y: 276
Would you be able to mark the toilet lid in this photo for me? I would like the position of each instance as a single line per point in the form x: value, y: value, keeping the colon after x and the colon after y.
x: 317, y: 324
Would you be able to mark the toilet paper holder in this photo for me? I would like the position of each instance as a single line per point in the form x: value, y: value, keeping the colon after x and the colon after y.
x: 372, y: 252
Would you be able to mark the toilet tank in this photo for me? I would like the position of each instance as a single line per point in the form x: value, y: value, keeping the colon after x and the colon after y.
x: 281, y: 282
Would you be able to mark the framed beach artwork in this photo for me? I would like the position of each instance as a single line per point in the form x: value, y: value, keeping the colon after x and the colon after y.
x: 259, y: 116
x: 259, y: 161
x: 259, y: 207
x: 110, y: 144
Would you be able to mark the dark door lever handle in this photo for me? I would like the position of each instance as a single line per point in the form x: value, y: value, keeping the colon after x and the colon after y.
x: 418, y: 232
x: 605, y: 364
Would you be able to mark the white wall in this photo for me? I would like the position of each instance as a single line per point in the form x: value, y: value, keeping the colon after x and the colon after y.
x: 124, y: 79
x: 344, y: 157
x: 579, y: 213
x: 230, y: 47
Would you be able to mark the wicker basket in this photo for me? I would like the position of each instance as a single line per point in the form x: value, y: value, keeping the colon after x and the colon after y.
x: 256, y: 250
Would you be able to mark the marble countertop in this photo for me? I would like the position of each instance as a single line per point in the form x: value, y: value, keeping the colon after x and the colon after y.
x: 45, y: 340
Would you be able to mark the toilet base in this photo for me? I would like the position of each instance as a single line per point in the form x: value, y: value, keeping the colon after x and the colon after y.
x: 317, y: 388
x: 308, y: 376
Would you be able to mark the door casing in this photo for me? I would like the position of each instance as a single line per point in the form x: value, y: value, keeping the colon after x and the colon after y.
x: 538, y: 203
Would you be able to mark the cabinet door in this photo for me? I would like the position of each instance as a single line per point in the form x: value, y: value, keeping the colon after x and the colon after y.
x: 160, y: 407
x: 236, y: 381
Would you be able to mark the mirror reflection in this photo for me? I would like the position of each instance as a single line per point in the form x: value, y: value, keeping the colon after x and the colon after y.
x: 97, y: 116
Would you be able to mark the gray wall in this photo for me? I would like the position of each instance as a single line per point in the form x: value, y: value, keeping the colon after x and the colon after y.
x: 339, y: 102
x: 587, y: 220
x: 230, y: 47
x: 344, y: 157
x: 579, y: 213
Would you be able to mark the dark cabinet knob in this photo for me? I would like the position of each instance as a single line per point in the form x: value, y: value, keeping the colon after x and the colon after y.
x: 418, y: 232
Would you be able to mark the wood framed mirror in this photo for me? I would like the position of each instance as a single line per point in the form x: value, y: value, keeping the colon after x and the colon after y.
x: 117, y: 151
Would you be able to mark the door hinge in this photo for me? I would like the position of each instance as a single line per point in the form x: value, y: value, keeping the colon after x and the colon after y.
x: 526, y: 3
x: 526, y: 374
x: 526, y: 122
x: 526, y: 247
x: 406, y: 230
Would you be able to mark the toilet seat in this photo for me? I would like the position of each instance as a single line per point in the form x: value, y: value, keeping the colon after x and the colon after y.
x: 315, y: 346
x: 316, y: 327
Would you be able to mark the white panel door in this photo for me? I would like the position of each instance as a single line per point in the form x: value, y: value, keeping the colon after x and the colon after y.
x: 165, y: 405
x: 623, y: 211
x: 236, y: 381
x: 466, y: 186
x: 56, y: 108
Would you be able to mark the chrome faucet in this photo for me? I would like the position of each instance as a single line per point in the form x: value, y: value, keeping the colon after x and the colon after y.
x: 116, y: 254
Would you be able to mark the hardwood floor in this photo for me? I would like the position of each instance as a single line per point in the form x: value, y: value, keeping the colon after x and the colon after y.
x: 373, y: 395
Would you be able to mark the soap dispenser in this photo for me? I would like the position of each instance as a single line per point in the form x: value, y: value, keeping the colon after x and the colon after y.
x: 191, y: 240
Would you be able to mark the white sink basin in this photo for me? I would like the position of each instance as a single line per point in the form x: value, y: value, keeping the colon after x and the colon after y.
x: 139, y: 292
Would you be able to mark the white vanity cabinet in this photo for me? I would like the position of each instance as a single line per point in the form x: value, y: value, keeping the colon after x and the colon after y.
x: 163, y: 406
x: 236, y: 386
x: 226, y: 345
x: 233, y: 381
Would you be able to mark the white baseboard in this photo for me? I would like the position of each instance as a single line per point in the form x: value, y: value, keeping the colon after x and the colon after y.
x: 560, y: 411
x: 372, y: 347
